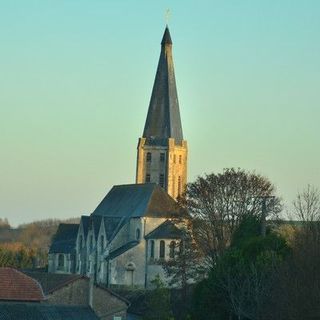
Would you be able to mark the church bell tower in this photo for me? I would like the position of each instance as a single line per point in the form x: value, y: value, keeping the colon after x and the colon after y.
x: 162, y: 153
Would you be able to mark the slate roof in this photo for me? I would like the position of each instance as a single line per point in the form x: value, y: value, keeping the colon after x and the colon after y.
x: 64, y: 241
x: 112, y: 224
x: 163, y: 119
x: 95, y: 225
x: 166, y: 230
x: 16, y: 286
x: 119, y: 251
x: 137, y: 200
x: 85, y: 221
x: 36, y: 311
x: 51, y: 282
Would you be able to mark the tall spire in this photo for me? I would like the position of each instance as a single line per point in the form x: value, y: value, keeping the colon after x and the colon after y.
x: 163, y: 119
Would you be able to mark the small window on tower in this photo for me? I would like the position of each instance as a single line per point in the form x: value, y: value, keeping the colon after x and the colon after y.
x: 149, y: 157
x: 174, y: 158
x: 161, y: 180
x: 179, y: 186
x: 180, y: 158
x: 162, y: 157
x: 148, y: 179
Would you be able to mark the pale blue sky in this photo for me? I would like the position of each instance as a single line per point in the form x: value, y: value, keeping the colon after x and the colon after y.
x: 76, y: 78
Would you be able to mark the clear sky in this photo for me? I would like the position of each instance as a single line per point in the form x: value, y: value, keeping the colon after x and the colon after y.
x: 76, y: 79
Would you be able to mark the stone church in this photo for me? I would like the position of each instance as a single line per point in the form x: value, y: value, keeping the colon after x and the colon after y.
x: 133, y: 229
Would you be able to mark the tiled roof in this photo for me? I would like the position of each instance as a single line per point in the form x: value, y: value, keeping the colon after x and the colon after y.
x: 64, y: 241
x: 137, y: 200
x: 36, y: 311
x: 51, y: 282
x: 166, y: 230
x: 17, y: 286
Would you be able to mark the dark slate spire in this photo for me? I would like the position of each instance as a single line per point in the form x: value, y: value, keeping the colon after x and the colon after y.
x: 163, y: 119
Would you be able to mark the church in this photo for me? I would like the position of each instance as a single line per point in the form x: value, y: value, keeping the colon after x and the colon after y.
x: 125, y: 239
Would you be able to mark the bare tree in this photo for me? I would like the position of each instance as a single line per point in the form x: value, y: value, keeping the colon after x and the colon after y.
x: 218, y: 202
x: 307, y: 204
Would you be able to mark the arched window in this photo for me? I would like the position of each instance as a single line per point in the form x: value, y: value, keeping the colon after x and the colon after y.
x: 152, y: 249
x: 172, y: 249
x: 61, y: 261
x: 181, y: 247
x: 149, y: 157
x: 101, y: 243
x: 162, y: 251
x: 138, y: 234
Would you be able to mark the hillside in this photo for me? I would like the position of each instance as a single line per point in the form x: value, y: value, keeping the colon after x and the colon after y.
x: 33, y: 239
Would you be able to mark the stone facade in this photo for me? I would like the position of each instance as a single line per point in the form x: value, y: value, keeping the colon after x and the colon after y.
x: 164, y: 165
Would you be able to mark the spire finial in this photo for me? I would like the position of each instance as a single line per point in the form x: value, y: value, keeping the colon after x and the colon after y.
x: 167, y: 16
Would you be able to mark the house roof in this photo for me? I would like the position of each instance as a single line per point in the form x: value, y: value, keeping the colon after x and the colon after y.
x: 51, y: 282
x: 16, y: 286
x: 36, y: 311
x: 137, y: 200
x: 64, y: 241
x: 166, y: 230
x: 163, y: 119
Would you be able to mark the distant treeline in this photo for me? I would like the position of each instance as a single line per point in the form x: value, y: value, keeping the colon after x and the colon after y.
x: 27, y: 246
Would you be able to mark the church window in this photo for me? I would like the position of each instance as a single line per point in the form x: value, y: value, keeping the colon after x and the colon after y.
x: 180, y: 159
x: 148, y: 178
x: 174, y: 158
x: 172, y: 249
x: 101, y: 243
x: 161, y: 180
x: 152, y: 249
x: 138, y: 234
x: 149, y: 157
x: 61, y: 261
x: 162, y: 251
x: 162, y: 157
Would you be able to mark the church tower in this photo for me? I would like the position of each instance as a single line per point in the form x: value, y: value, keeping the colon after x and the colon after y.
x: 162, y: 153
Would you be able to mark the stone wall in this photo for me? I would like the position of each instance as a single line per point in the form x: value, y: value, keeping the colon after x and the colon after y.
x: 75, y: 293
x: 103, y: 302
x: 106, y: 305
x: 173, y: 166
